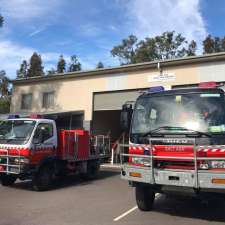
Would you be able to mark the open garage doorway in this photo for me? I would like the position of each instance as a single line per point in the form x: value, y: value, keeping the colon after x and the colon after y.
x: 106, y: 111
x: 107, y: 122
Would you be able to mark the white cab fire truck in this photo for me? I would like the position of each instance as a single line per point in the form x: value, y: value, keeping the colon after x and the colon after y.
x: 33, y: 148
x: 177, y: 143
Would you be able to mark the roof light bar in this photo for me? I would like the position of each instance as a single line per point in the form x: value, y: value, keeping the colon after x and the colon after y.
x: 210, y: 84
x: 13, y: 116
x: 35, y: 116
x: 156, y: 89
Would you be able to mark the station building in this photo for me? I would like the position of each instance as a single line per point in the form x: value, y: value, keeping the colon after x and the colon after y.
x: 93, y: 99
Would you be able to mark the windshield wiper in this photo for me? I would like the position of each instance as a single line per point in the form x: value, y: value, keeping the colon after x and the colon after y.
x: 15, y: 139
x: 154, y: 131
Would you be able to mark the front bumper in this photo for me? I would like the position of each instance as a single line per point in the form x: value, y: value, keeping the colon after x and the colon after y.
x: 178, y: 178
x: 9, y: 166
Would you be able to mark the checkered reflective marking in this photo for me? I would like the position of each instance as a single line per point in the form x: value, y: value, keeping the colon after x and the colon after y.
x: 206, y: 148
x: 211, y: 149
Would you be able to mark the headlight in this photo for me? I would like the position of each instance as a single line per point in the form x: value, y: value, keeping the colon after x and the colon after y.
x: 218, y: 164
x: 137, y: 160
x: 142, y: 161
x: 21, y: 160
x: 204, y: 166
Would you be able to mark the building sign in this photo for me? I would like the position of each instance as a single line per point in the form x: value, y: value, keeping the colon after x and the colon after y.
x: 162, y: 77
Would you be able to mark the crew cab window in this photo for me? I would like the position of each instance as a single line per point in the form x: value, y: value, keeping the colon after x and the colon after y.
x: 43, y: 132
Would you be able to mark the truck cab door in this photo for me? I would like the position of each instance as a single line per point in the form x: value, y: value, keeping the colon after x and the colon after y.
x: 44, y: 141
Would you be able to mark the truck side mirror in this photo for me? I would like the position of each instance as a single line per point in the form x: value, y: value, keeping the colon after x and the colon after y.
x: 125, y: 117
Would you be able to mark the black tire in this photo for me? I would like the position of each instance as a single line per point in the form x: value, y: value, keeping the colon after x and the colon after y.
x: 92, y: 170
x: 145, y: 197
x: 7, y: 180
x: 43, y: 179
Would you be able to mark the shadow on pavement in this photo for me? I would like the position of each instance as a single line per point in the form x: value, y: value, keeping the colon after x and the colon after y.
x: 213, y: 211
x: 68, y: 181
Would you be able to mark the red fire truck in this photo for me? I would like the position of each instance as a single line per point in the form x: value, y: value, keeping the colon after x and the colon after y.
x: 33, y: 148
x: 177, y: 143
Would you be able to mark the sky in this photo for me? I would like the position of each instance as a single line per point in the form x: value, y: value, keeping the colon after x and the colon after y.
x: 90, y: 28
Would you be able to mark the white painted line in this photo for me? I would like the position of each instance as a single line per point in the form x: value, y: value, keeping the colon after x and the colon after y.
x: 131, y: 210
x: 125, y: 214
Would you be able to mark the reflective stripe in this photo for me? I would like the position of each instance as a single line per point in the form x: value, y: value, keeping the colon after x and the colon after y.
x: 215, y: 150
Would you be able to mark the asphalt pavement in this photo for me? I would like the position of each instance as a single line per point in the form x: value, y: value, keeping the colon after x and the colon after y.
x: 107, y: 200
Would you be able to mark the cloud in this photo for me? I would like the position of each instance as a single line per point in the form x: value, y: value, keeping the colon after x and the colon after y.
x: 28, y: 9
x: 37, y: 31
x: 11, y: 56
x: 113, y: 28
x: 152, y: 17
x: 90, y: 30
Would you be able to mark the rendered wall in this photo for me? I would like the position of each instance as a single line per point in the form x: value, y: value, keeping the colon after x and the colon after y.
x: 76, y: 94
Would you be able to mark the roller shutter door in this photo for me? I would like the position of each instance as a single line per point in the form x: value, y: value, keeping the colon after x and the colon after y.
x: 113, y: 100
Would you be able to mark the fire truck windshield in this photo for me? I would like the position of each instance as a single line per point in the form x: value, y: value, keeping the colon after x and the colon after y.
x: 16, y: 131
x: 201, y: 112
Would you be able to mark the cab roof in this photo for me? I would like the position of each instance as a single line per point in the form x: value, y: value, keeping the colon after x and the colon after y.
x: 184, y: 91
x: 31, y: 119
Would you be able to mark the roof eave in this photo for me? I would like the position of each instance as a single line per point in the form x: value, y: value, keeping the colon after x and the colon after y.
x: 127, y: 68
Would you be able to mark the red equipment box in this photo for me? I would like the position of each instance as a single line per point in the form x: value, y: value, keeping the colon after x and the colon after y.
x: 73, y: 145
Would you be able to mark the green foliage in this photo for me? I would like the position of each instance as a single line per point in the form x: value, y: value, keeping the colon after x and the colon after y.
x: 36, y: 68
x: 1, y: 20
x: 5, y: 93
x: 213, y: 45
x: 4, y: 84
x: 52, y: 71
x: 4, y: 105
x: 74, y: 65
x: 61, y: 65
x: 168, y: 45
x: 192, y: 47
x: 100, y: 65
x: 126, y: 51
x: 22, y: 71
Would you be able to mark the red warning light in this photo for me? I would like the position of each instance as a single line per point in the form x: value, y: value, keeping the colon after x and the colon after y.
x: 210, y: 84
x: 35, y: 116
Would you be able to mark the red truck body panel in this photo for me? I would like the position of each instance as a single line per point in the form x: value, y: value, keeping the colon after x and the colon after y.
x: 73, y: 145
x: 16, y: 151
x: 166, y: 151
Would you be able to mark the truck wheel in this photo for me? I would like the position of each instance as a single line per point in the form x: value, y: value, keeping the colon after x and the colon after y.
x: 42, y: 181
x: 92, y: 170
x: 7, y: 180
x: 145, y: 197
